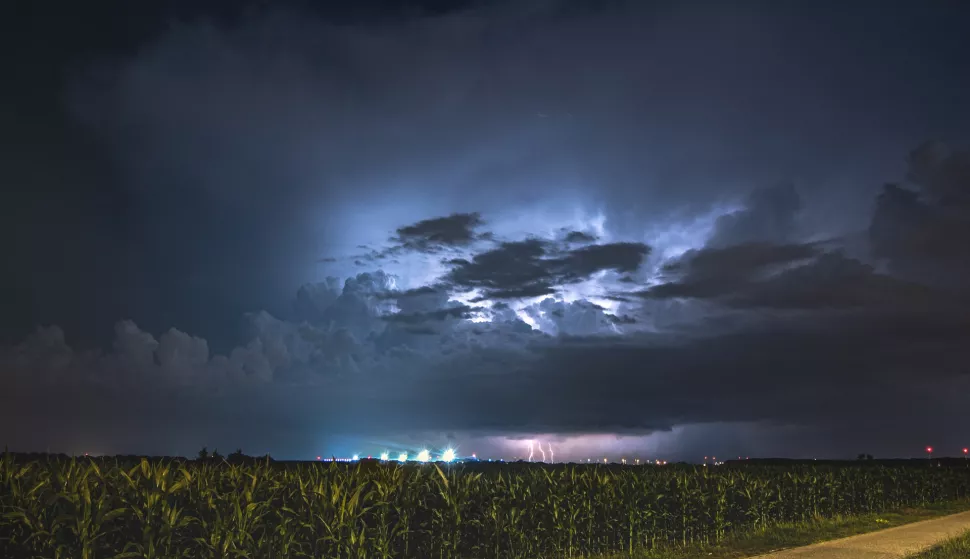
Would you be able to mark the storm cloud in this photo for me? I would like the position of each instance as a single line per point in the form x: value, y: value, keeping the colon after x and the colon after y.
x: 652, y: 223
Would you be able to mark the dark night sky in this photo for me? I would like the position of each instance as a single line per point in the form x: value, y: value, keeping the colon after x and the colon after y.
x: 653, y: 228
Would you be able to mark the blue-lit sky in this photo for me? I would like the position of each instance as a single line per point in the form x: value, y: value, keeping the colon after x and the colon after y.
x: 654, y: 229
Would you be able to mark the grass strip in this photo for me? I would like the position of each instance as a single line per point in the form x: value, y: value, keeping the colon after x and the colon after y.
x: 789, y: 535
x: 956, y: 548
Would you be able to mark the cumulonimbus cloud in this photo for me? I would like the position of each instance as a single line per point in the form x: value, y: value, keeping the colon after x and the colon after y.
x: 418, y: 361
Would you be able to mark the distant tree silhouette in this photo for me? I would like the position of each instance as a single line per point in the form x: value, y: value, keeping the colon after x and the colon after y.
x: 203, y: 454
x: 865, y: 457
x: 237, y: 456
x: 216, y: 455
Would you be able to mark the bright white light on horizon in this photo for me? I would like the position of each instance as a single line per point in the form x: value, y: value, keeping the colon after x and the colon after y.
x: 384, y: 456
x: 448, y: 455
x: 403, y: 457
x: 355, y: 458
x: 424, y: 456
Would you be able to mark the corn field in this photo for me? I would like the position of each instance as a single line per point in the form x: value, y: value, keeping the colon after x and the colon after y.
x: 93, y: 508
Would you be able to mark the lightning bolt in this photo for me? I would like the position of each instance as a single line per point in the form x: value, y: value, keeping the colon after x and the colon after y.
x: 531, y: 450
x: 552, y: 457
x: 542, y: 451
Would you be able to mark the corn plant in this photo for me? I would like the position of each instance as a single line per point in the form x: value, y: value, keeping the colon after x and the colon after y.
x: 161, y: 509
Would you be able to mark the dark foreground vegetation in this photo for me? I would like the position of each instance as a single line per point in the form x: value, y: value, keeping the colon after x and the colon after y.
x: 168, y: 508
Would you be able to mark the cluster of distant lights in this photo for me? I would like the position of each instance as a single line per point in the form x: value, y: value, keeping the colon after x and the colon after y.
x: 448, y: 455
x: 636, y: 461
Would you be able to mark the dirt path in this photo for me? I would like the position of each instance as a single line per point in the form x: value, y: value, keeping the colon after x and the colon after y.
x: 891, y: 543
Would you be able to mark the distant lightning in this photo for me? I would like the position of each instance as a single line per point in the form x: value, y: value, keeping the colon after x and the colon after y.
x: 546, y: 457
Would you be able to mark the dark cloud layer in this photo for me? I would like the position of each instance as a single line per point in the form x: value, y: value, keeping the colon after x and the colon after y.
x: 714, y: 272
x: 788, y: 277
x: 432, y: 235
x: 777, y: 372
x: 921, y: 232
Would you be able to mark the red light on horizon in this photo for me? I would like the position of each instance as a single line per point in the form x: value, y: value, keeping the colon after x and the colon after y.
x: 929, y: 449
x: 318, y: 458
x: 965, y: 450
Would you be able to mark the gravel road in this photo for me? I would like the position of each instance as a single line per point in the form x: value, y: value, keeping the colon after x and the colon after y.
x: 891, y: 543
